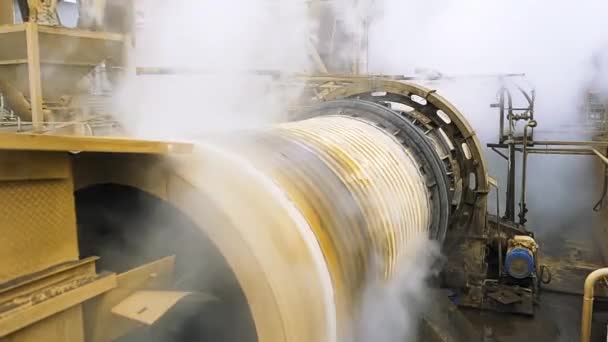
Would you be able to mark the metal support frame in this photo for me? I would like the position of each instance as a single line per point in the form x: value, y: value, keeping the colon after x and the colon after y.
x: 33, y: 68
x: 155, y: 275
x: 589, y: 150
x: 509, y: 115
x: 30, y: 299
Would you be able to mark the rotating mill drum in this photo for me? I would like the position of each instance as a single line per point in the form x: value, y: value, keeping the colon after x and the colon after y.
x: 313, y: 209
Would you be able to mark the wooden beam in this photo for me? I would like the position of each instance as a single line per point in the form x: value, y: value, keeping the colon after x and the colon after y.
x: 33, y: 65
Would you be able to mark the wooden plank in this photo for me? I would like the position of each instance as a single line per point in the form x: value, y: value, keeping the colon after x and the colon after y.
x: 38, y: 142
x: 33, y: 62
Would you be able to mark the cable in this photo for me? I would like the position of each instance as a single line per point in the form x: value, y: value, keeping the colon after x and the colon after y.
x: 598, y: 205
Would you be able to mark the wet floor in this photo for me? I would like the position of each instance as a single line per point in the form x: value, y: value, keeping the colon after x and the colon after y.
x: 557, y: 319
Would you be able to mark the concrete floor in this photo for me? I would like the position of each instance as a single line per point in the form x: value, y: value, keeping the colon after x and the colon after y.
x: 557, y: 320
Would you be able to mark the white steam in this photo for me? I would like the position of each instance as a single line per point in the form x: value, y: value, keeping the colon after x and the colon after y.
x: 551, y: 41
x: 217, y: 46
x: 390, y: 310
x: 561, y: 46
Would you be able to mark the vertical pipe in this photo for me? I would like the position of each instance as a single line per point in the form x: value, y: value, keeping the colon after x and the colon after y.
x: 524, y: 165
x: 587, y: 311
x: 498, y: 228
x: 510, y: 206
x: 33, y: 68
x: 501, y: 128
x: 524, y: 173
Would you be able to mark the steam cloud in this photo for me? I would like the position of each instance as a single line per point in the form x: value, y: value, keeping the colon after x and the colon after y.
x: 220, y: 44
x: 390, y: 311
x: 553, y: 42
x: 561, y: 46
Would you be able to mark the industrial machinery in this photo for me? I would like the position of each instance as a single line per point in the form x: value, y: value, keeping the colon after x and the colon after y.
x: 354, y: 174
x: 274, y: 234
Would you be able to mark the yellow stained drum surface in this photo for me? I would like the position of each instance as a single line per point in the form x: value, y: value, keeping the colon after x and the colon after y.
x: 311, y: 208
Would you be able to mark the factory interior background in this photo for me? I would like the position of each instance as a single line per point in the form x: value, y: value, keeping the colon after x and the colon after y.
x: 314, y: 170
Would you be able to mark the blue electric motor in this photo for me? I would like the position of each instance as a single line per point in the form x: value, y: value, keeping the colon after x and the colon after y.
x: 519, y: 261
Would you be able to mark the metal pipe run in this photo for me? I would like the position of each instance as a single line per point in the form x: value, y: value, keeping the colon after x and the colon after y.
x: 600, y: 155
x: 588, y: 297
x: 565, y: 151
x: 561, y: 152
x: 569, y: 151
x: 523, y: 210
x: 570, y: 143
x: 510, y: 196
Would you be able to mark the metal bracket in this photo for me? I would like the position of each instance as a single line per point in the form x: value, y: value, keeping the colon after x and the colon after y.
x: 101, y: 324
x: 27, y: 300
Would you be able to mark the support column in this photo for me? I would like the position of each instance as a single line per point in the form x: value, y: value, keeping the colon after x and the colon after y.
x: 33, y: 67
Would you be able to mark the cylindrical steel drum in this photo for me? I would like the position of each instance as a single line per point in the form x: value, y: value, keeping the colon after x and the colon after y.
x: 314, y: 209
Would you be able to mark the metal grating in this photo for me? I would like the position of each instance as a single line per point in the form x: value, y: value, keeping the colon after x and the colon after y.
x: 37, y: 226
